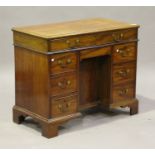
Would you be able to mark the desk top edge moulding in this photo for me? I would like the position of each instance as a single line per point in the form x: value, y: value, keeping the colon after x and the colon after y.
x: 54, y: 81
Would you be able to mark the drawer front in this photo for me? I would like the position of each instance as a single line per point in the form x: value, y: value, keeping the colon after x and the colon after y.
x: 66, y: 83
x: 91, y: 53
x: 64, y: 106
x: 64, y: 62
x: 124, y: 72
x: 123, y: 92
x: 93, y: 39
x: 124, y: 52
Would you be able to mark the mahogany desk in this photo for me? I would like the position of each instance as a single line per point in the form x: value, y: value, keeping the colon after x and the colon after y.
x: 64, y: 68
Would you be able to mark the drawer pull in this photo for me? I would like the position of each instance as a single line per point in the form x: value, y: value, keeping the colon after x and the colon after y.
x: 67, y: 42
x: 117, y: 37
x: 123, y: 92
x: 68, y: 105
x: 61, y: 85
x: 64, y: 84
x: 124, y: 73
x: 121, y: 36
x: 68, y: 82
x: 77, y: 41
x: 64, y: 64
x: 63, y: 108
x: 60, y: 62
x: 69, y: 61
x: 123, y: 52
x: 52, y: 60
x: 60, y: 107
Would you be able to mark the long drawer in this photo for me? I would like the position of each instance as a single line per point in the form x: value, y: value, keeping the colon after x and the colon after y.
x: 93, y: 39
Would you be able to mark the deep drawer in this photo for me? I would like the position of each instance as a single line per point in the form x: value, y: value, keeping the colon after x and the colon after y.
x: 63, y: 84
x: 124, y: 52
x: 93, y: 39
x: 123, y: 73
x: 64, y: 62
x: 123, y: 92
x: 64, y: 106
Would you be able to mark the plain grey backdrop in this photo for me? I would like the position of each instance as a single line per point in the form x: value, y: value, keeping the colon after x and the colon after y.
x: 93, y: 131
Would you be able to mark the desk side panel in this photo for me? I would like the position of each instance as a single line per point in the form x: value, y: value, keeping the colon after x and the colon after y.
x: 32, y: 81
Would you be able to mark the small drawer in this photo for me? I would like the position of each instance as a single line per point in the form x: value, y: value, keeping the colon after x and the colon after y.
x: 124, y: 72
x: 93, y: 39
x: 91, y: 53
x: 124, y: 52
x: 64, y: 62
x: 123, y: 92
x: 124, y: 35
x: 66, y: 83
x: 64, y: 106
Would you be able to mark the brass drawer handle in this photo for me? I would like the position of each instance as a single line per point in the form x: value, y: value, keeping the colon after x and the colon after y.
x: 60, y: 107
x: 64, y: 84
x: 64, y: 108
x: 64, y: 64
x: 77, y: 41
x: 123, y: 91
x: 123, y: 52
x: 61, y: 63
x: 68, y: 105
x: 68, y: 42
x: 68, y: 82
x: 118, y: 37
x: 61, y: 85
x: 73, y: 43
x: 121, y: 36
x: 69, y: 61
x: 124, y: 73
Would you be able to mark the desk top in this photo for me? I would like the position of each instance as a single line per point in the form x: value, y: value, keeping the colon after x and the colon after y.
x: 85, y: 26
